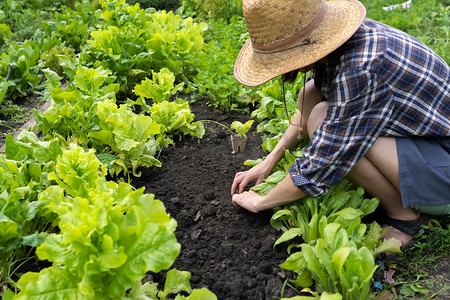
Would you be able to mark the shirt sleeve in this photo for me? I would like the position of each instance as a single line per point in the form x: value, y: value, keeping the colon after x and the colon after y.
x: 359, y: 109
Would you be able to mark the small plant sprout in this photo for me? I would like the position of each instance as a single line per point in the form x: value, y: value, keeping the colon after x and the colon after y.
x: 240, y: 128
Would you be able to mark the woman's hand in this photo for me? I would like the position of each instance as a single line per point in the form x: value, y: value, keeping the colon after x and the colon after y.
x: 249, y: 200
x: 255, y: 174
x: 285, y: 192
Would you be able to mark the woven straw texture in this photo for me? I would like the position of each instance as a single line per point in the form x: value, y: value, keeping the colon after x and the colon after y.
x: 270, y: 22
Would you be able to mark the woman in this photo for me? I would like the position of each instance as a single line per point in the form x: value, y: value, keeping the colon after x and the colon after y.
x: 376, y: 109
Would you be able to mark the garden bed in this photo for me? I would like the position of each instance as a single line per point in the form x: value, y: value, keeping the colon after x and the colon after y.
x: 226, y: 249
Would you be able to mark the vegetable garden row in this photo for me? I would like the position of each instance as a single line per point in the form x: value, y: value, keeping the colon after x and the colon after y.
x: 116, y: 74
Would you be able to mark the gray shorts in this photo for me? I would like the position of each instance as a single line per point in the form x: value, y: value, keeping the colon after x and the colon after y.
x: 424, y: 165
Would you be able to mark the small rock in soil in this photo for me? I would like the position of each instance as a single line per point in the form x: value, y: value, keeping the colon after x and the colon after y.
x: 195, y: 234
x: 173, y: 199
x: 197, y: 216
x: 266, y: 269
x: 209, y: 196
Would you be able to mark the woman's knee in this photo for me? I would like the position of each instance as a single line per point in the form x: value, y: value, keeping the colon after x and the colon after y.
x: 318, y: 114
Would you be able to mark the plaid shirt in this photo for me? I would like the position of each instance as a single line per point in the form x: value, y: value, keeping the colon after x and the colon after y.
x: 385, y: 83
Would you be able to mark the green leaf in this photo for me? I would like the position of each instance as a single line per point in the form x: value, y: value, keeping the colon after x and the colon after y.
x: 240, y: 128
x: 313, y: 228
x: 177, y: 281
x: 348, y: 213
x: 289, y: 235
x: 327, y: 296
x: 159, y: 88
x: 33, y: 209
x: 52, y: 77
x: 33, y: 240
x: 338, y: 259
x: 201, y: 294
x: 418, y: 288
x: 106, y: 158
x: 295, y: 261
x: 387, y: 246
x: 9, y: 229
x: 315, y: 265
x: 303, y: 279
x: 52, y: 282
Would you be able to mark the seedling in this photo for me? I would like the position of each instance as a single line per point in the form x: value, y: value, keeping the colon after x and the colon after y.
x: 238, y: 140
x: 240, y: 128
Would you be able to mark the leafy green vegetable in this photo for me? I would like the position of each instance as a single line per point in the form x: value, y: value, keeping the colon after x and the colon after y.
x: 23, y: 175
x: 210, y: 9
x: 214, y: 77
x: 5, y: 33
x: 73, y: 110
x: 60, y: 60
x: 159, y: 88
x: 176, y: 282
x: 71, y: 25
x: 240, y: 128
x: 131, y: 42
x: 335, y: 264
x: 176, y: 118
x: 110, y: 234
x: 131, y: 137
x: 19, y: 69
x: 341, y: 204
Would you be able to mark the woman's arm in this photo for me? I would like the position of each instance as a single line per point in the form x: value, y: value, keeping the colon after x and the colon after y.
x: 285, y: 192
x: 289, y: 139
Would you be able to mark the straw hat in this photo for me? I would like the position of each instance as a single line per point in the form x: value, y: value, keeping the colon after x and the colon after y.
x: 287, y: 35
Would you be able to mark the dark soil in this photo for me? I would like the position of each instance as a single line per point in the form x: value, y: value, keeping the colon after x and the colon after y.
x: 225, y: 248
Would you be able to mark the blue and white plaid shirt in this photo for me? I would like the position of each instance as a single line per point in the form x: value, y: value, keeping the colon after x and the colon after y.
x: 386, y: 83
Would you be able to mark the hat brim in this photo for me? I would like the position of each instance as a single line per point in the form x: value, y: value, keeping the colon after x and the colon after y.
x: 341, y: 21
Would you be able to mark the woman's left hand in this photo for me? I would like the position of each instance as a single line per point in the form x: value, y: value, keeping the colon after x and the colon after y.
x: 285, y: 192
x: 249, y: 200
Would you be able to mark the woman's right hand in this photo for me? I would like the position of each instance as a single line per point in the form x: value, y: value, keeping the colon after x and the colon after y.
x: 256, y: 174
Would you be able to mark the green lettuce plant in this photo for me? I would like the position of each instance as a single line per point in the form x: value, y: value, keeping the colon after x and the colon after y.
x: 158, y: 89
x: 5, y: 34
x: 340, y: 203
x: 271, y: 113
x: 241, y: 129
x: 132, y: 42
x: 175, y: 118
x: 110, y: 234
x: 20, y: 222
x: 23, y: 175
x: 337, y: 249
x: 335, y: 264
x: 71, y: 25
x: 177, y: 284
x: 59, y: 59
x: 19, y: 69
x: 129, y: 138
x: 73, y: 109
x: 210, y: 9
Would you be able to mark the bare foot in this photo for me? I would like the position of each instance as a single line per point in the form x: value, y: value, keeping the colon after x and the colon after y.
x: 404, y: 238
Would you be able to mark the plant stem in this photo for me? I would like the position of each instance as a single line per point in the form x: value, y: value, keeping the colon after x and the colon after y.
x: 217, y: 123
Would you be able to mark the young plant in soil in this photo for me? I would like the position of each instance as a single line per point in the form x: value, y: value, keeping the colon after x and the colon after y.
x: 239, y: 140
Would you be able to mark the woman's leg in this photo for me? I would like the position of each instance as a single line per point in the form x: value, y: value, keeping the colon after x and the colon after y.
x: 377, y: 173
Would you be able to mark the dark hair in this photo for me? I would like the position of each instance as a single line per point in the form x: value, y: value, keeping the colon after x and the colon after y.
x: 290, y: 76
